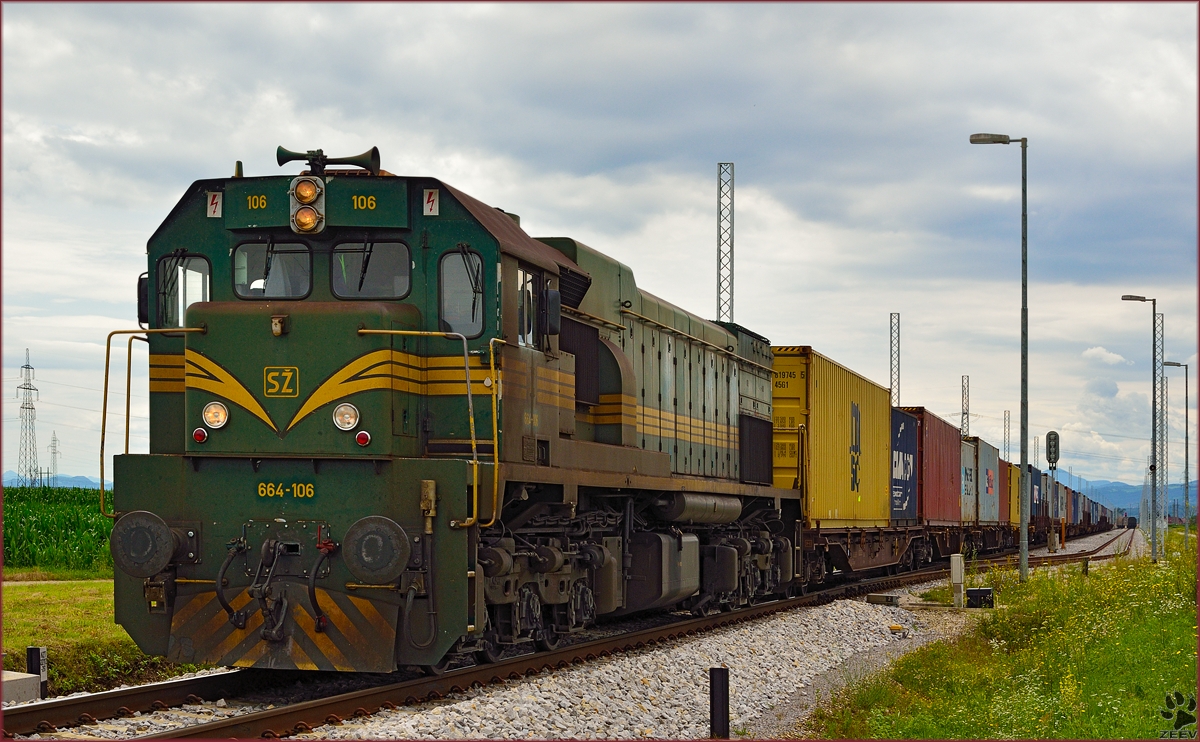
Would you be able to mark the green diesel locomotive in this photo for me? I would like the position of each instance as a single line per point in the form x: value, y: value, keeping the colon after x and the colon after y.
x: 389, y: 428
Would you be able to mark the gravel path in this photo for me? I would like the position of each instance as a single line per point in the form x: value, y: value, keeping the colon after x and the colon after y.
x: 786, y: 720
x: 659, y: 692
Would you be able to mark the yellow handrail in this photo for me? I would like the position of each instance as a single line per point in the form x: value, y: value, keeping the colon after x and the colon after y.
x: 104, y: 406
x: 474, y: 517
x: 495, y: 434
x: 128, y: 380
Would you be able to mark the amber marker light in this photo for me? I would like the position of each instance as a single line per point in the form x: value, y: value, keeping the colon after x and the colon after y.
x: 215, y: 415
x: 306, y: 219
x: 306, y: 191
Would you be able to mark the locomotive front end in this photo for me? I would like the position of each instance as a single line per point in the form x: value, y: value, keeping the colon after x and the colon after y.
x: 308, y: 340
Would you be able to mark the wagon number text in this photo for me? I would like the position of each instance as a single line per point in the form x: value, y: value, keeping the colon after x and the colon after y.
x: 270, y: 489
x: 256, y: 202
x: 366, y: 203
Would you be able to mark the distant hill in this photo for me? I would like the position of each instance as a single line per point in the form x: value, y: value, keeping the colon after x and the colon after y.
x: 1129, y: 496
x: 64, y: 480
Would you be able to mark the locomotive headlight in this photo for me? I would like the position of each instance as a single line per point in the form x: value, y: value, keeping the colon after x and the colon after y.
x: 306, y: 219
x: 345, y: 416
x: 306, y: 191
x: 215, y: 415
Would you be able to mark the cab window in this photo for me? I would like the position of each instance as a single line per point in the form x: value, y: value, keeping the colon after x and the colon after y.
x: 529, y: 290
x: 461, y: 292
x: 269, y: 270
x: 183, y: 280
x: 370, y: 270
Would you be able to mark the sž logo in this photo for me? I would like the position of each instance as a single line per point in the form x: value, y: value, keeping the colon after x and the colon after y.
x: 1181, y: 710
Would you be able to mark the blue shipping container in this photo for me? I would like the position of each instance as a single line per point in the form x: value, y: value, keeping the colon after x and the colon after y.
x: 904, y: 468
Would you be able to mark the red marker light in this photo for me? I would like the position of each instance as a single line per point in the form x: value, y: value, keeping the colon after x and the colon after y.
x: 200, y: 435
x: 363, y: 438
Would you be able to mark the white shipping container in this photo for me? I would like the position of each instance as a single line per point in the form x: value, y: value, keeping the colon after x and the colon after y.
x: 987, y: 482
x: 970, y: 492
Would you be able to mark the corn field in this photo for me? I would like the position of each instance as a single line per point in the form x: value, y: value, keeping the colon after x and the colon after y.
x: 55, y: 527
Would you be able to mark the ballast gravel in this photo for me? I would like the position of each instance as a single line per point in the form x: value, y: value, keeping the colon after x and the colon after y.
x: 659, y: 692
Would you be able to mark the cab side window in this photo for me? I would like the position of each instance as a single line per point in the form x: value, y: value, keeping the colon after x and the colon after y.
x: 182, y: 281
x: 461, y: 292
x: 529, y: 291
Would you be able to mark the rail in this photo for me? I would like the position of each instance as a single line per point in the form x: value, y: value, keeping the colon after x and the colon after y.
x: 473, y: 518
x: 46, y: 716
x: 303, y: 717
x: 128, y: 373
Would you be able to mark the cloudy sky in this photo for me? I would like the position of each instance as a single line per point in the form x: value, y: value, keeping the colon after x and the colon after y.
x: 858, y: 193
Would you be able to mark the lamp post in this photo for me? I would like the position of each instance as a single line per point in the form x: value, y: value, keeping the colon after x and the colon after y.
x: 1005, y: 139
x: 1187, y: 450
x: 1153, y: 421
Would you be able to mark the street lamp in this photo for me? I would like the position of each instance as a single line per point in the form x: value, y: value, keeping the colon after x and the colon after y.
x: 1153, y: 421
x: 1005, y: 139
x: 1187, y: 450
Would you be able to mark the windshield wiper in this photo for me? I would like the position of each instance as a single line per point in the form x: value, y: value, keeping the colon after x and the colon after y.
x: 475, y: 273
x: 362, y: 275
x: 270, y: 256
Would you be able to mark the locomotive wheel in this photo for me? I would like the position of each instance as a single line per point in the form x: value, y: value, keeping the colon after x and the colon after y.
x: 549, y: 640
x: 490, y: 652
x: 440, y: 668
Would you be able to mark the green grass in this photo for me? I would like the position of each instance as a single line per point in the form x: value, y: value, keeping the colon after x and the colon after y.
x: 86, y: 650
x: 1063, y: 656
x: 55, y: 533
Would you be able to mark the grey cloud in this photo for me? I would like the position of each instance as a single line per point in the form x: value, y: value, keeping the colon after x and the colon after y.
x: 1102, y: 388
x: 858, y: 191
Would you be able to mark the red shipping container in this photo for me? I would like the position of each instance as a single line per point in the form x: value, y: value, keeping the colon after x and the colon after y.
x: 939, y: 476
x: 1005, y: 504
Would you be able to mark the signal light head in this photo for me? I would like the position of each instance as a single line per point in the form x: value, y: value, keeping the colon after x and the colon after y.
x: 345, y: 416
x: 363, y: 438
x: 306, y: 219
x: 215, y: 415
x: 306, y: 191
x: 199, y: 435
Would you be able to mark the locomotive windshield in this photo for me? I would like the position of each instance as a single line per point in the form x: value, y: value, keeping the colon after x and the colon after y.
x: 372, y: 270
x: 462, y: 293
x: 269, y: 270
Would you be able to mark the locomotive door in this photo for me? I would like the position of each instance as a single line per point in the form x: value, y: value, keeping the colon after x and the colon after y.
x: 708, y: 409
x: 683, y: 420
x: 406, y: 402
x: 667, y: 406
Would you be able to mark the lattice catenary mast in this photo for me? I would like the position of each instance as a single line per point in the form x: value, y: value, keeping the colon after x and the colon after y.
x: 895, y: 356
x: 54, y: 454
x: 966, y: 406
x: 27, y: 463
x: 725, y: 241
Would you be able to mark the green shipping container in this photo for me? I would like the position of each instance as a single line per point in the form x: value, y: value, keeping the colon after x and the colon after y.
x: 832, y: 436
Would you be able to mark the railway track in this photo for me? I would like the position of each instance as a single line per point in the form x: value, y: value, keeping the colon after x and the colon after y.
x: 49, y: 716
